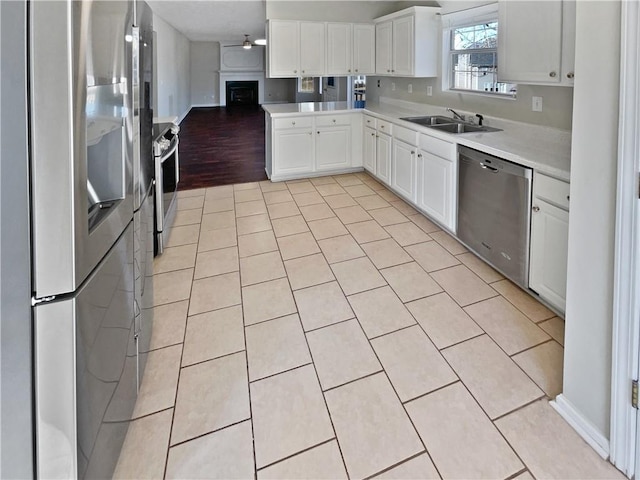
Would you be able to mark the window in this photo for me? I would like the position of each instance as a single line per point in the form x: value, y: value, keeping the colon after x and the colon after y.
x: 306, y: 85
x: 472, y: 59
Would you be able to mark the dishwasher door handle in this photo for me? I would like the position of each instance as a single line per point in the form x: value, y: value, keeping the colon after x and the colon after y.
x: 492, y: 169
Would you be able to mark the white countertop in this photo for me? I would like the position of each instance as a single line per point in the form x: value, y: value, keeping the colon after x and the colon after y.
x: 545, y: 149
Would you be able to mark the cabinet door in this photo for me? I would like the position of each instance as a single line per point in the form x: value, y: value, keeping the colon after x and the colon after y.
x: 293, y: 151
x: 364, y: 57
x: 403, y: 169
x: 312, y: 49
x: 548, y: 259
x: 568, y: 41
x: 383, y: 47
x: 383, y: 157
x: 339, y: 44
x: 369, y: 150
x: 529, y: 43
x: 284, y: 50
x: 436, y: 190
x: 333, y: 148
x: 403, y: 41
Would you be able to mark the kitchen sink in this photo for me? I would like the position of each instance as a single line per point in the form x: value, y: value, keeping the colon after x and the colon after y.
x: 448, y: 124
x: 430, y: 120
x: 462, y: 128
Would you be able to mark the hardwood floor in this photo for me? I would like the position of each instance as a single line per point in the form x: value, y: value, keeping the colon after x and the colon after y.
x: 221, y: 146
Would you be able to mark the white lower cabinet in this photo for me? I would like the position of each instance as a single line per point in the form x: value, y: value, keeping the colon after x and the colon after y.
x: 437, y: 191
x: 369, y: 150
x: 549, y: 240
x: 300, y: 146
x: 383, y: 157
x: 437, y: 188
x: 333, y: 148
x: 403, y: 173
x: 293, y: 151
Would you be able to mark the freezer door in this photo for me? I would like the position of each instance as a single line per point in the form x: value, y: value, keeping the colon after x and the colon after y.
x: 81, y: 137
x: 86, y: 371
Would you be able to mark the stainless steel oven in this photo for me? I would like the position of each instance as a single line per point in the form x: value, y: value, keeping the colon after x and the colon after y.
x: 165, y: 148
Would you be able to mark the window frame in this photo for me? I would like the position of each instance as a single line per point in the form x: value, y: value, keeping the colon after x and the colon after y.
x: 468, y: 18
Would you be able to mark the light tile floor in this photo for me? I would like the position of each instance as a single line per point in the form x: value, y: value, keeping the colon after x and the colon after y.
x: 323, y: 328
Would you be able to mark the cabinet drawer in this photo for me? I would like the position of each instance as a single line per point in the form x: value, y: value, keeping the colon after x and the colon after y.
x: 385, y: 127
x: 551, y: 189
x: 331, y: 120
x: 438, y: 147
x: 293, y: 122
x: 406, y: 135
x: 370, y: 121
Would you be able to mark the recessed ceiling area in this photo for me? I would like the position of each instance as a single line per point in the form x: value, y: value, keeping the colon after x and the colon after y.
x: 213, y: 21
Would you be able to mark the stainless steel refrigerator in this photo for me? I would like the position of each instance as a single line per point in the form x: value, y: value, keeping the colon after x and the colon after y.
x: 90, y: 213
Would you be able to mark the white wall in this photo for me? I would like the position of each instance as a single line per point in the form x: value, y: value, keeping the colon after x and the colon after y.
x: 173, y: 70
x: 205, y: 63
x: 587, y: 359
x: 341, y: 11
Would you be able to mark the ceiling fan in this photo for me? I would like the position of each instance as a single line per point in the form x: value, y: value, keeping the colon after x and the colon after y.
x: 247, y: 44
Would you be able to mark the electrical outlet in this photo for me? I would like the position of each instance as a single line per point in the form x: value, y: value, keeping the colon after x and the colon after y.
x: 536, y: 104
x: 410, y: 88
x: 393, y: 86
x: 429, y: 90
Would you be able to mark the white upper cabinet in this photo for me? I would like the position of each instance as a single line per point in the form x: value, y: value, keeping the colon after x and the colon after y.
x: 536, y: 41
x: 384, y: 42
x: 403, y: 43
x: 364, y: 49
x: 312, y: 49
x: 407, y: 42
x: 284, y: 48
x: 339, y: 48
x: 300, y: 49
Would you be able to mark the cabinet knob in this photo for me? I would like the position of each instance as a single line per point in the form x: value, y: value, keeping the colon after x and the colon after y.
x: 381, y: 126
x: 293, y: 123
x: 310, y: 133
x: 412, y: 152
x: 357, y: 70
x: 552, y: 74
x: 373, y: 134
x: 388, y: 71
x: 567, y: 198
x: 334, y: 120
x: 536, y: 208
x: 295, y: 71
x: 393, y: 70
x: 302, y: 71
x: 318, y: 132
x: 570, y: 75
x: 350, y: 70
x: 419, y: 155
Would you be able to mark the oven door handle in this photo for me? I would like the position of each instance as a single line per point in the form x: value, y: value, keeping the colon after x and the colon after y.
x: 172, y: 148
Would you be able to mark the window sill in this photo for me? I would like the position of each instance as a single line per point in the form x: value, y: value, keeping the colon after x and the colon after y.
x: 499, y: 96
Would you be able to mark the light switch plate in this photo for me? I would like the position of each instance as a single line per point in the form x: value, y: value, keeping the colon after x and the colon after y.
x: 536, y: 104
x: 429, y: 90
x: 393, y: 86
x: 410, y: 88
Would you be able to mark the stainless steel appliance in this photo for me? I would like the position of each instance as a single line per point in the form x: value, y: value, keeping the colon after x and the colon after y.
x: 167, y: 164
x: 89, y: 151
x: 494, y: 205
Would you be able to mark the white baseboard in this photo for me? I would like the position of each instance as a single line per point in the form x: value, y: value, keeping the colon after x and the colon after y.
x: 181, y: 117
x: 205, y: 105
x: 296, y: 176
x: 581, y: 425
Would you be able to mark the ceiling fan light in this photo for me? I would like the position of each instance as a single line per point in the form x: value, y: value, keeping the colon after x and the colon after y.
x: 246, y: 45
x: 261, y: 41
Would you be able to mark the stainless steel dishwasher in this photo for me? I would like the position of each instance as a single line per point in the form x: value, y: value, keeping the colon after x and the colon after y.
x: 494, y: 211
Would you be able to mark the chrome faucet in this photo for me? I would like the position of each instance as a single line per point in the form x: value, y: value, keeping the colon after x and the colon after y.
x: 456, y: 114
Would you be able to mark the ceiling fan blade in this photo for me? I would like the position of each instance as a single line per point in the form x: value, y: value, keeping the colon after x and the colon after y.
x: 232, y: 45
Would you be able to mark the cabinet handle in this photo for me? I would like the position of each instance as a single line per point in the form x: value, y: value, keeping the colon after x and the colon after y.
x: 567, y: 198
x: 412, y: 152
x: 552, y: 74
x: 570, y: 75
x: 536, y: 208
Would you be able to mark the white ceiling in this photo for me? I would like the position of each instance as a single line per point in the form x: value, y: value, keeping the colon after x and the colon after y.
x: 213, y: 20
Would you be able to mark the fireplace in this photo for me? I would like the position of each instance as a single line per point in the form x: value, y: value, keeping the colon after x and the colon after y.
x: 241, y: 93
